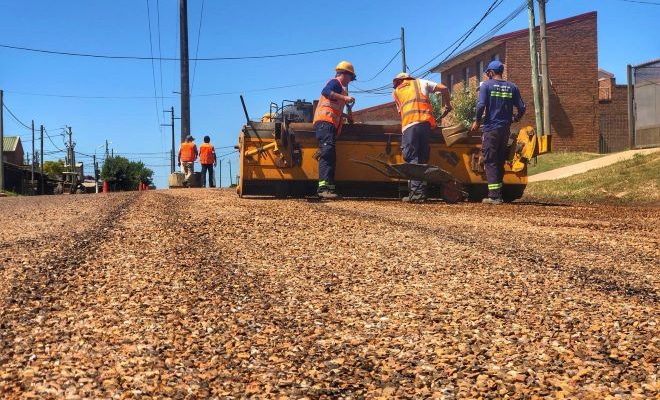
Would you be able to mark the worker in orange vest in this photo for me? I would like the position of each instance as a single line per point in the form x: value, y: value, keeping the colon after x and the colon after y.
x: 208, y: 160
x: 412, y: 101
x: 327, y: 125
x: 187, y: 157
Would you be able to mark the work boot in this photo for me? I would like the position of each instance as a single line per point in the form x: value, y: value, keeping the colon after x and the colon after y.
x: 493, y: 200
x: 414, y: 198
x: 327, y: 194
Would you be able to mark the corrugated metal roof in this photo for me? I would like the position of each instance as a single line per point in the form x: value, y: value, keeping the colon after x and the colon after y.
x: 10, y: 143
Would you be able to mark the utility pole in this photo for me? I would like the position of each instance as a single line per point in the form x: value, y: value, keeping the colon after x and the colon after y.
x: 43, y: 187
x: 403, y: 50
x: 96, y: 181
x: 72, y: 159
x: 172, y: 165
x: 231, y: 181
x: 535, y: 70
x: 220, y: 173
x: 545, y: 78
x: 2, y: 139
x: 631, y: 107
x: 33, y: 160
x: 185, y: 80
x: 107, y: 152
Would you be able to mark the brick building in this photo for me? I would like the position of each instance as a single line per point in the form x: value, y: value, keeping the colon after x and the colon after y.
x: 12, y: 150
x: 576, y: 106
x: 589, y: 110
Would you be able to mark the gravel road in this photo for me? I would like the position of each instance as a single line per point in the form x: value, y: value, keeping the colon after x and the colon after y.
x: 200, y: 294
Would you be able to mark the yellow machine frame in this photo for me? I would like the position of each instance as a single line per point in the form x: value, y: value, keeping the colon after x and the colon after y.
x: 281, y: 160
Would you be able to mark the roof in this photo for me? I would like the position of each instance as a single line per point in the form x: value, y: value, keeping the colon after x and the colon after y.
x: 10, y: 143
x: 497, y: 40
x: 375, y: 108
x: 604, y: 74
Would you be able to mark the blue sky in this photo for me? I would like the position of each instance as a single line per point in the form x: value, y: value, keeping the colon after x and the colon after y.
x: 627, y: 33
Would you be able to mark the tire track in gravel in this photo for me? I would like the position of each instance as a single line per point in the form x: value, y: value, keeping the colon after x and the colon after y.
x: 29, y: 291
x: 520, y: 243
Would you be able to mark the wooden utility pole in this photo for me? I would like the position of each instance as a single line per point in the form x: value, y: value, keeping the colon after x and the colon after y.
x: 33, y: 160
x: 545, y: 78
x: 631, y: 107
x: 2, y: 139
x: 96, y: 181
x: 231, y: 181
x: 41, y: 167
x: 172, y: 152
x: 219, y: 173
x: 403, y: 50
x: 185, y: 80
x: 535, y: 70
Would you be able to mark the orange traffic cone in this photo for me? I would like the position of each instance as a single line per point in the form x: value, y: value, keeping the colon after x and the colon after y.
x: 106, y: 189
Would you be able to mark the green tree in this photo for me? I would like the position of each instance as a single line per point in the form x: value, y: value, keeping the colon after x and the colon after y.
x: 464, y: 103
x: 123, y: 174
x: 54, y: 169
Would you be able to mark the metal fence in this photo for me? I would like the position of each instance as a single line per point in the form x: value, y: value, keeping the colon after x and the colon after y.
x: 613, y: 133
x: 645, y: 105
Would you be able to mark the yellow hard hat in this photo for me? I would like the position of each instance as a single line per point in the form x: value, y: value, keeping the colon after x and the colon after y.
x: 401, y: 76
x: 267, y: 117
x: 346, y: 66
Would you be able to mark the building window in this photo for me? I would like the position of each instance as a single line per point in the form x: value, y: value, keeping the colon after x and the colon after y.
x: 480, y: 71
x: 466, y: 78
x: 451, y: 83
x: 495, y: 57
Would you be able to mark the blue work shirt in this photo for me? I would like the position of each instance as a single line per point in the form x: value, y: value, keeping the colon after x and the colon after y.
x: 497, y: 98
x: 332, y: 86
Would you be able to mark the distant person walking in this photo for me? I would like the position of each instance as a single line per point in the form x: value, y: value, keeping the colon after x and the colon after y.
x: 208, y: 159
x: 187, y: 157
x: 497, y: 97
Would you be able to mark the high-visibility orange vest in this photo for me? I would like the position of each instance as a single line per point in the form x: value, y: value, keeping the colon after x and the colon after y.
x: 414, y: 105
x: 329, y: 110
x: 206, y: 153
x: 188, y: 150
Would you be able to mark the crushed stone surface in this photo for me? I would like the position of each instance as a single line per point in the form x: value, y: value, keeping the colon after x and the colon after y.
x: 199, y: 294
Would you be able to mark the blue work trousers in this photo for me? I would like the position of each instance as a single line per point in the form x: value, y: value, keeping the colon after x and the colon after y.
x: 495, y: 151
x: 416, y: 149
x: 326, y: 134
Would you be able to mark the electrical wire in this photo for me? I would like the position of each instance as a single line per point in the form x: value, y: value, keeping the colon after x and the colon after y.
x: 385, y: 67
x: 227, y: 58
x: 4, y: 104
x: 153, y: 67
x: 199, y: 33
x: 380, y: 91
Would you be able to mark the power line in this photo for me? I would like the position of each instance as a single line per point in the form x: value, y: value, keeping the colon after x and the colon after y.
x: 199, y: 33
x: 653, y: 3
x: 4, y: 104
x: 385, y: 67
x: 457, y: 43
x: 250, y: 57
x: 153, y: 72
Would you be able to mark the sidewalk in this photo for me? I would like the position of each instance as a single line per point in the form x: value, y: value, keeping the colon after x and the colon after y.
x: 582, y: 167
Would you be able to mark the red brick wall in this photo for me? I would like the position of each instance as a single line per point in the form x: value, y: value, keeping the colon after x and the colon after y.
x: 573, y: 66
x: 573, y: 71
x: 382, y: 112
x: 613, y: 120
x: 458, y: 70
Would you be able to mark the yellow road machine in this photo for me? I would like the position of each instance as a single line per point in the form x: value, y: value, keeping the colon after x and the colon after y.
x: 278, y: 157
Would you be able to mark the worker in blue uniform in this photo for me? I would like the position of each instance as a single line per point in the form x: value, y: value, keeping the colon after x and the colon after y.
x: 497, y: 97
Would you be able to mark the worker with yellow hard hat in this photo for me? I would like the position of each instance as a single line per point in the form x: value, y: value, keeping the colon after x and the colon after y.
x: 411, y: 96
x: 328, y: 120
